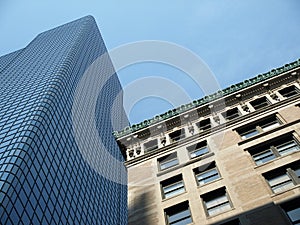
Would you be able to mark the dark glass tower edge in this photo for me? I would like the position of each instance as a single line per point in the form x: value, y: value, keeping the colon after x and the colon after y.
x: 43, y: 177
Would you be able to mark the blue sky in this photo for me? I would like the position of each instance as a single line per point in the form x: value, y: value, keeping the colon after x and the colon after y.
x: 236, y: 39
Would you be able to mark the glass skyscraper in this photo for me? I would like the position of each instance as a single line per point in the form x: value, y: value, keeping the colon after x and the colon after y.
x: 44, y: 178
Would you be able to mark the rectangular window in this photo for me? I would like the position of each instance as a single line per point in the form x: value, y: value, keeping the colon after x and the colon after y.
x: 172, y: 186
x: 263, y: 157
x: 292, y: 210
x: 216, y: 202
x: 204, y: 124
x: 168, y: 161
x: 287, y: 147
x: 283, y: 178
x: 280, y: 183
x: 178, y: 214
x: 207, y: 173
x: 151, y: 145
x: 259, y: 127
x: 177, y: 135
x: 231, y: 114
x: 248, y: 133
x: 277, y: 147
x: 289, y: 91
x: 198, y: 149
x: 260, y: 103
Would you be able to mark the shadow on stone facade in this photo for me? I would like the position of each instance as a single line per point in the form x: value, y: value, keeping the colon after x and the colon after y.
x: 142, y: 210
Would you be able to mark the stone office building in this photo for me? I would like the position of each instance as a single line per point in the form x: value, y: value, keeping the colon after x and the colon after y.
x: 232, y: 157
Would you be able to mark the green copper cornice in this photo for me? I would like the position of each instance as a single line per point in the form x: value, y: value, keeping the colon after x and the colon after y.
x: 208, y: 98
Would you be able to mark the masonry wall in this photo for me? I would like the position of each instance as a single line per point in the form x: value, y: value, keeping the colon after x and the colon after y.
x: 251, y: 197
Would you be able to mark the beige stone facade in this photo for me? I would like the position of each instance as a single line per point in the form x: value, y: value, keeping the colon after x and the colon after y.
x: 233, y: 160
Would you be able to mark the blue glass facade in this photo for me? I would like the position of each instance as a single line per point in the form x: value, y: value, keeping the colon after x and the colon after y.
x: 44, y: 178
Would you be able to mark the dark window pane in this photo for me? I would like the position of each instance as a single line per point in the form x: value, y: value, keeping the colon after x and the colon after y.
x: 249, y: 133
x: 289, y: 91
x: 168, y: 164
x: 179, y: 214
x: 263, y: 157
x: 287, y: 147
x: 173, y: 189
x: 199, y: 152
x: 259, y: 103
x: 208, y: 176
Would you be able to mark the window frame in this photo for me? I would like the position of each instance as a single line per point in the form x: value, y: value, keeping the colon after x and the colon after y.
x: 176, y: 210
x: 179, y: 137
x: 206, y: 169
x: 198, y: 147
x: 213, y: 196
x: 272, y: 146
x: 152, y: 147
x: 206, y: 126
x: 259, y: 126
x: 287, y: 95
x: 172, y: 157
x: 289, y: 171
x: 233, y: 113
x: 260, y: 105
x: 171, y: 182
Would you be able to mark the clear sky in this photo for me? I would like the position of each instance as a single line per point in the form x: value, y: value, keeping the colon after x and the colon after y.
x: 236, y: 39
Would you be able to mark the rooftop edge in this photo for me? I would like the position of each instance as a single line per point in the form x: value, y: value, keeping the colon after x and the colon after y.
x: 206, y: 99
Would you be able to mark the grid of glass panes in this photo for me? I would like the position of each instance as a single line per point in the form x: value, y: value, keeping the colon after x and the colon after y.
x: 55, y: 184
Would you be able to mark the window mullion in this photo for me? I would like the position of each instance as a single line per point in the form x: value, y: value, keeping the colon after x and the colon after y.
x: 292, y: 174
x: 259, y: 129
x: 275, y: 151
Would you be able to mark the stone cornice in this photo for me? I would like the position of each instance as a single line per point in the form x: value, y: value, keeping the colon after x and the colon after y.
x: 209, y: 98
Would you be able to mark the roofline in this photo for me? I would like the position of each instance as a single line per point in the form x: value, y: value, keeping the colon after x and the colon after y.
x: 206, y: 99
